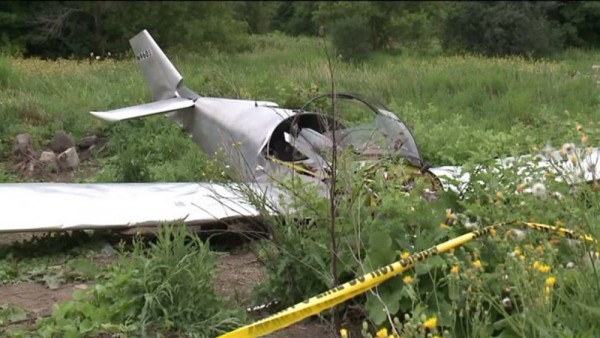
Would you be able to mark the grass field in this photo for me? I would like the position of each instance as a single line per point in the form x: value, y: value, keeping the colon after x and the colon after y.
x: 461, y: 109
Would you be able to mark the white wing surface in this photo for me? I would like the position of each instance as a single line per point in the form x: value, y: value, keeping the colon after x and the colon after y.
x: 577, y: 166
x: 67, y: 206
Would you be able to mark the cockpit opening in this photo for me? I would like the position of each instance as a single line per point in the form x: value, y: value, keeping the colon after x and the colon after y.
x: 304, y: 142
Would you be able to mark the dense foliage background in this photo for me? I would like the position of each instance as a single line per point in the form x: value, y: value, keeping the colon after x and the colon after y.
x: 474, y: 81
x: 52, y: 29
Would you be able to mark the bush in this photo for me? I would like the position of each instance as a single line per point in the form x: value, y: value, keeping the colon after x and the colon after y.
x: 350, y: 37
x: 512, y: 283
x: 8, y: 76
x: 165, y: 286
x: 503, y: 28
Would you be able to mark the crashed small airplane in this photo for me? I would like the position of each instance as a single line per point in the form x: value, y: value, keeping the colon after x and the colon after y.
x: 258, y: 140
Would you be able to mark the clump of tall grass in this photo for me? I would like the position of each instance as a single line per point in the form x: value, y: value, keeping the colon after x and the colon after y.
x: 164, y: 286
x: 8, y: 76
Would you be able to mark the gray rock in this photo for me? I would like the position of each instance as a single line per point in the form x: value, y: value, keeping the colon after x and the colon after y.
x: 48, y: 158
x: 108, y: 250
x: 61, y: 142
x: 33, y: 166
x: 68, y: 159
x: 22, y: 145
x: 36, y: 153
x: 87, y: 141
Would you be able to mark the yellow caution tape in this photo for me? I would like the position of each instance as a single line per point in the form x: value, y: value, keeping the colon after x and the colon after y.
x: 343, y: 292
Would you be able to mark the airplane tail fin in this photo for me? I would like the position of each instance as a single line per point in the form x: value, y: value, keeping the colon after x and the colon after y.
x: 160, y: 75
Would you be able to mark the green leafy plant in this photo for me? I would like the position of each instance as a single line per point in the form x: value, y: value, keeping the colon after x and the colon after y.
x: 163, y: 286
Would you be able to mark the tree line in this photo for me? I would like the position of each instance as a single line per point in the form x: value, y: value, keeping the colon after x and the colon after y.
x: 77, y: 29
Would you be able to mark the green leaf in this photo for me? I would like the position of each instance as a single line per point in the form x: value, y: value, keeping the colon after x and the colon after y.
x: 10, y: 313
x: 53, y: 281
x: 380, y: 250
x: 84, y: 267
x: 376, y: 310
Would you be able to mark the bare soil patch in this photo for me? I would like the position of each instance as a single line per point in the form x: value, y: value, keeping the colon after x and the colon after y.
x: 237, y: 274
x: 35, y: 297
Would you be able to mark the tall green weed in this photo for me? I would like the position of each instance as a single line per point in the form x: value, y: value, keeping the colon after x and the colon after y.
x: 164, y: 286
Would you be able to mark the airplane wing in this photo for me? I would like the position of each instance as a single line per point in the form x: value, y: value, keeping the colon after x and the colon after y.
x: 146, y: 109
x: 582, y: 165
x: 68, y: 206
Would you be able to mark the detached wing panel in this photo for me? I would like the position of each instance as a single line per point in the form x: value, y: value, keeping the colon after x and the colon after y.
x: 66, y: 206
x: 531, y: 168
x: 159, y: 107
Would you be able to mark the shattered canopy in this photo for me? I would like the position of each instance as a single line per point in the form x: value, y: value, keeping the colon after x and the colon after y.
x: 368, y: 130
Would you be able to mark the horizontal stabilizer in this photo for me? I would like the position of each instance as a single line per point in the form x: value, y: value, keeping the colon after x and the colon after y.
x: 158, y: 107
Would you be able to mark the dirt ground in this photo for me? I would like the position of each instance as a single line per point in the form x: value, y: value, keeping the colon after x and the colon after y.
x: 237, y: 273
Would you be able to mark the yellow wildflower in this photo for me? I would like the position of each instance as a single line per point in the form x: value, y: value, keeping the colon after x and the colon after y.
x: 454, y: 269
x: 344, y: 333
x: 543, y: 268
x: 547, y: 290
x: 500, y: 195
x: 492, y: 231
x: 550, y: 281
x: 584, y: 139
x: 443, y: 226
x: 382, y: 333
x: 521, y: 187
x: 449, y: 214
x: 573, y: 159
x: 517, y: 251
x: 477, y: 264
x: 539, y: 249
x: 405, y: 255
x: 430, y: 323
x: 579, y: 127
x: 407, y: 279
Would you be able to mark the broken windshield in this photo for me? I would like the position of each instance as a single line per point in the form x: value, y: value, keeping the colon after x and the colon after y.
x: 383, y: 137
x: 375, y: 133
x: 371, y: 131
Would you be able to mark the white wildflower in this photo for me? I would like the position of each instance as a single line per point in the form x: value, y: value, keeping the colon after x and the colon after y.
x: 518, y: 234
x: 570, y: 265
x: 568, y: 149
x: 471, y: 225
x: 538, y: 189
